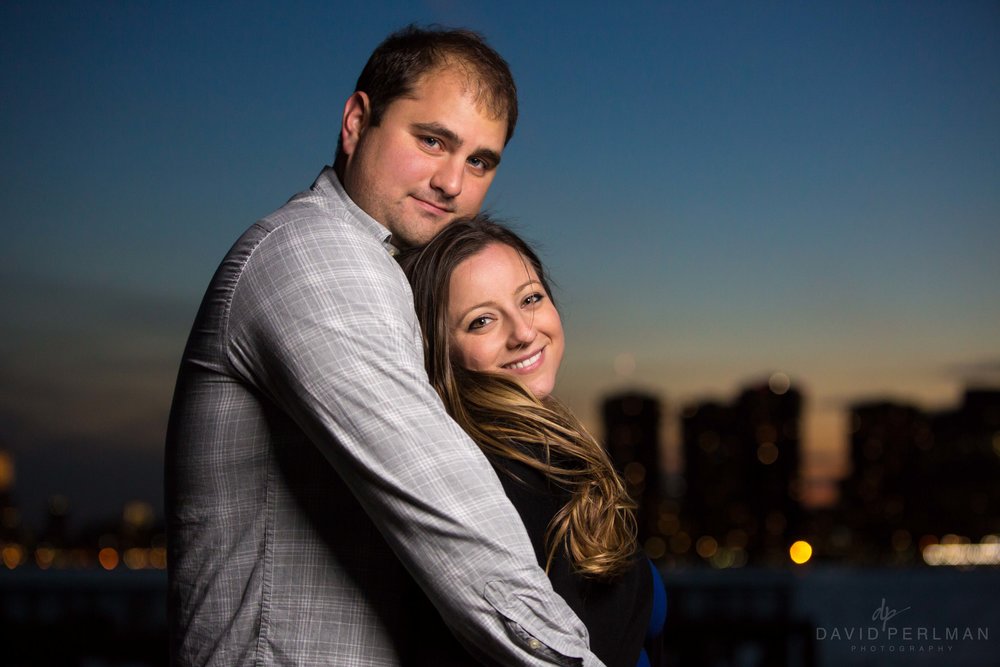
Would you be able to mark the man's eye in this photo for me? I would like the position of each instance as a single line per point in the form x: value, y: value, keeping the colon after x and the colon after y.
x: 431, y: 142
x: 478, y: 163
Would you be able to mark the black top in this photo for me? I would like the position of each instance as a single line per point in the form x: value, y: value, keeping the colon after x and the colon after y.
x: 616, y: 612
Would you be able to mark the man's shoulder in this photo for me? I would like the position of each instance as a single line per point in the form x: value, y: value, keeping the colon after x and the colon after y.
x: 324, y: 215
x: 315, y: 241
x: 309, y: 212
x: 310, y: 242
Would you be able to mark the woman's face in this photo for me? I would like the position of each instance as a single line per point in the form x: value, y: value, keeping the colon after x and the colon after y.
x: 500, y: 319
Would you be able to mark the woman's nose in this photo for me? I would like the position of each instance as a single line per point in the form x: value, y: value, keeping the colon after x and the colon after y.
x: 523, y: 331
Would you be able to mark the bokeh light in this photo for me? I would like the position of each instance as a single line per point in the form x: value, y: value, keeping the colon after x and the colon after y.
x: 800, y: 552
x: 779, y: 383
x: 108, y: 558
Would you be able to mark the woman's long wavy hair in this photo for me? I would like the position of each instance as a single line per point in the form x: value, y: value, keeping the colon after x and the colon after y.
x: 597, y: 525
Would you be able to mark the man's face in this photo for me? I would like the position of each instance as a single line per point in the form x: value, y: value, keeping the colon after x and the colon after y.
x: 430, y: 160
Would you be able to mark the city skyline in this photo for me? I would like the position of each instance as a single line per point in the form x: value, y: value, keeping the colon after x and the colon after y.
x: 722, y: 192
x: 632, y: 427
x: 920, y: 491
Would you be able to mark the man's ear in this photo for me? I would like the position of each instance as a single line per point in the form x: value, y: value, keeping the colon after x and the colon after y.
x: 357, y: 113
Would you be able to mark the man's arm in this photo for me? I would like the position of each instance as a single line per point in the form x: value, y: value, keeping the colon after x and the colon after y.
x: 336, y: 345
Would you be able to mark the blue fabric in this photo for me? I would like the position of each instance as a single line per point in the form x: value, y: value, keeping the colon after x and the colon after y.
x: 658, y: 616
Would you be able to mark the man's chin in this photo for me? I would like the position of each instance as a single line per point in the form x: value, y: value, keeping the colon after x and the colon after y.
x: 425, y: 230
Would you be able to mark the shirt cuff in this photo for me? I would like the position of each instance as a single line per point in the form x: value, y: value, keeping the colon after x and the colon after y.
x: 535, y: 633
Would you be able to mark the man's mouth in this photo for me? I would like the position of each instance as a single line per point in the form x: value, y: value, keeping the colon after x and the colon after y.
x: 435, y: 207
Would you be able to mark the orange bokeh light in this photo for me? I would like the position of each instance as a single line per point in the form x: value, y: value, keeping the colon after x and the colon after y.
x: 800, y: 552
x: 108, y: 558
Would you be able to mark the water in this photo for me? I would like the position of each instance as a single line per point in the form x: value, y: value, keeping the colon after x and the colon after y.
x: 808, y: 617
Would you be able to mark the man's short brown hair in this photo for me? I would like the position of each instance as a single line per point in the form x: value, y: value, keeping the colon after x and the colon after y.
x: 398, y: 63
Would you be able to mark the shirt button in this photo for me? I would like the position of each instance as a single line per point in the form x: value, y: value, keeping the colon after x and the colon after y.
x: 534, y: 644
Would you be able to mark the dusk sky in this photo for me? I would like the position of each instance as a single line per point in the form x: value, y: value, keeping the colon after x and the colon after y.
x: 721, y: 190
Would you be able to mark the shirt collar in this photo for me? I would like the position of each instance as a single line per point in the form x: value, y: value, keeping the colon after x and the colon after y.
x: 328, y: 183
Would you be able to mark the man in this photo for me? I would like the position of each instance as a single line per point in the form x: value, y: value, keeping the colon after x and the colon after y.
x: 308, y: 461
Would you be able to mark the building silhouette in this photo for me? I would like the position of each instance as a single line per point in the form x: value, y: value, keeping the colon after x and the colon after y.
x: 741, y: 465
x: 632, y: 438
x: 11, y: 531
x: 919, y: 477
x: 965, y: 460
x: 889, y: 454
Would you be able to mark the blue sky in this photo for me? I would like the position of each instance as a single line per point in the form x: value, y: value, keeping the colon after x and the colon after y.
x: 721, y: 191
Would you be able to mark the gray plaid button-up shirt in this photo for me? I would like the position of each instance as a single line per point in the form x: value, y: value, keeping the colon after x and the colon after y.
x: 309, y: 466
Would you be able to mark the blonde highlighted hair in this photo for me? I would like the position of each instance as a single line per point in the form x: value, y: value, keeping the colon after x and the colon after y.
x: 596, y: 527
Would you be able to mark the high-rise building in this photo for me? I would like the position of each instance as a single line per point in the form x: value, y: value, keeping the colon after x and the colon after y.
x: 962, y: 495
x: 918, y: 476
x: 632, y: 437
x: 741, y: 465
x: 889, y: 459
x: 10, y: 521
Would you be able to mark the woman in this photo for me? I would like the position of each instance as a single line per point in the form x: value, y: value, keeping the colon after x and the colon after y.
x: 493, y: 345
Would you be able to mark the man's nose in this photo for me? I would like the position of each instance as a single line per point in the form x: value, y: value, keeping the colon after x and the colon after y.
x: 448, y: 178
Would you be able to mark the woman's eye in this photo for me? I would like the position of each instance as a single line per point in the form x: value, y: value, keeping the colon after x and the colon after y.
x: 533, y: 299
x: 479, y: 323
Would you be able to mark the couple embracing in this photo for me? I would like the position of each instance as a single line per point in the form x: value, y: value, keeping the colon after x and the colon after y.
x: 364, y: 463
